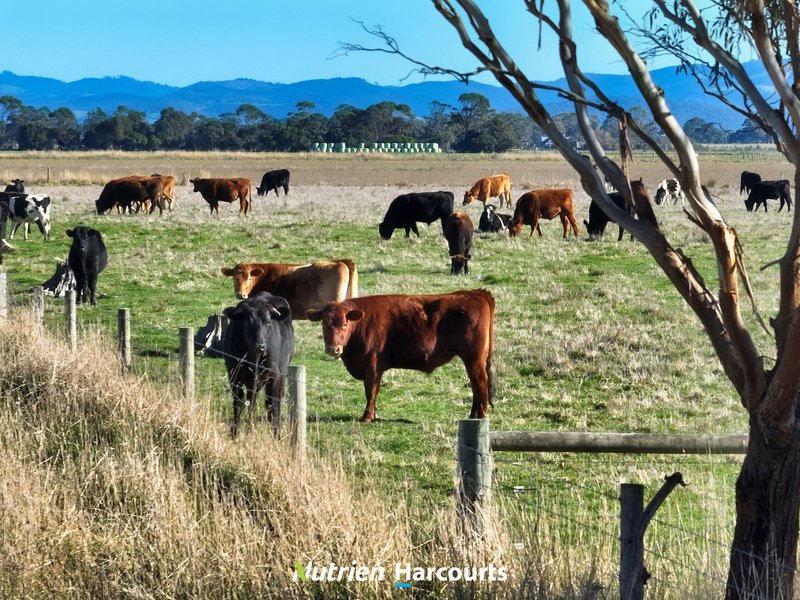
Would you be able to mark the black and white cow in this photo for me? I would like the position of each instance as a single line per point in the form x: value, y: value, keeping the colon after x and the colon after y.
x: 87, y: 258
x: 272, y: 180
x: 491, y: 221
x: 25, y: 210
x: 669, y: 189
x: 258, y: 346
x: 16, y: 186
x: 765, y: 190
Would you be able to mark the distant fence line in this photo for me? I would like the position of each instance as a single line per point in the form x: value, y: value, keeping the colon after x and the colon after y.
x: 386, y: 147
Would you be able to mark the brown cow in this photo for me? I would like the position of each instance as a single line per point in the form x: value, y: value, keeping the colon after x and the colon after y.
x: 126, y: 192
x: 375, y: 333
x: 458, y: 229
x: 215, y: 191
x: 543, y: 204
x: 497, y: 186
x: 167, y: 188
x: 303, y: 286
x: 167, y: 192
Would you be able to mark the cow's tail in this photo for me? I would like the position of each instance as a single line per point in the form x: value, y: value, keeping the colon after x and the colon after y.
x: 491, y: 372
x: 352, y: 285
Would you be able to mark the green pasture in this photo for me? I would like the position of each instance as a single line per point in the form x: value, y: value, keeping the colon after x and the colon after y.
x: 590, y: 335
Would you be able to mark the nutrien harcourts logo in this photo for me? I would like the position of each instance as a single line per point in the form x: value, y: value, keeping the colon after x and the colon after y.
x: 404, y: 573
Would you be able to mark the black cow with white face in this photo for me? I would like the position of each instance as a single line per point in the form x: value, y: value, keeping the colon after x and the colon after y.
x: 25, y: 210
x: 87, y: 258
x: 272, y: 180
x: 407, y: 210
x: 598, y: 219
x: 258, y: 346
x: 491, y: 221
x: 765, y: 190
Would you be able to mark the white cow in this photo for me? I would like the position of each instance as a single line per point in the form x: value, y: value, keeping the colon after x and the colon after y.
x: 31, y: 209
x: 669, y: 189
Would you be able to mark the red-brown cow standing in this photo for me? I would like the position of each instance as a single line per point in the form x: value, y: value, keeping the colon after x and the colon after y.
x: 372, y: 334
x: 543, y: 204
x: 215, y: 191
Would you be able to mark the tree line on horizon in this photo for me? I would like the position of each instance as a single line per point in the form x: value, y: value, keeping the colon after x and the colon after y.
x: 472, y: 126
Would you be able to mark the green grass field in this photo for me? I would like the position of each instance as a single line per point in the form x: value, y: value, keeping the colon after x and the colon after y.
x: 590, y: 336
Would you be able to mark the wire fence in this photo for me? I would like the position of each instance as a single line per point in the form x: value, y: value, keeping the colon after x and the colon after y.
x: 689, y: 540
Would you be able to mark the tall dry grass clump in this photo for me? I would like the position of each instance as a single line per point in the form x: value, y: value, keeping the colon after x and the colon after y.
x: 110, y: 488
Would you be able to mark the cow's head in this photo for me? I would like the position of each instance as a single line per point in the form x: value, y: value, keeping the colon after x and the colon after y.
x: 337, y: 325
x: 661, y: 193
x: 261, y: 191
x: 748, y: 204
x: 385, y: 230
x: 458, y: 263
x: 244, y: 278
x: 82, y: 237
x: 516, y: 226
x: 256, y: 314
x: 469, y: 197
x: 194, y: 183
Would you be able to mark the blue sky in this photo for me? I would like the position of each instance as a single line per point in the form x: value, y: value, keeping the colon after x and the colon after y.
x: 179, y: 42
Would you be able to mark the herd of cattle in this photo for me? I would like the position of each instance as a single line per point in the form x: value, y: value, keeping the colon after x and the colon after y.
x: 370, y: 334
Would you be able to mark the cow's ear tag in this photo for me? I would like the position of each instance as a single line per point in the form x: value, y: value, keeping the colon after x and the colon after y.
x: 247, y: 402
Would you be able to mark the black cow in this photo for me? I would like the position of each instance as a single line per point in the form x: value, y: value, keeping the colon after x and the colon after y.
x: 598, y: 219
x: 87, y: 258
x: 272, y: 180
x: 764, y: 190
x: 16, y: 186
x: 491, y: 221
x: 258, y: 345
x: 124, y: 192
x: 406, y: 210
x: 458, y: 233
x: 747, y: 181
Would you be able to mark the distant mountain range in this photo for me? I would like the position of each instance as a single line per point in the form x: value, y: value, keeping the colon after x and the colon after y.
x: 212, y: 98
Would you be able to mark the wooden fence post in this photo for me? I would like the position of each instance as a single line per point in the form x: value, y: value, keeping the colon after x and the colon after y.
x: 70, y: 320
x: 633, y: 523
x: 474, y: 471
x: 631, y: 560
x: 297, y: 408
x: 3, y: 295
x: 124, y: 338
x: 186, y: 361
x: 37, y: 304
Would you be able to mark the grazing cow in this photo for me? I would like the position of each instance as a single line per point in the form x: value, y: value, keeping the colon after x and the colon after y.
x: 272, y: 180
x: 167, y: 188
x: 87, y: 258
x: 375, y: 333
x: 747, y: 180
x: 598, y: 219
x: 215, y: 191
x: 303, y: 286
x: 458, y: 233
x: 407, y: 210
x: 16, y: 186
x: 497, y: 186
x: 669, y: 189
x: 543, y: 204
x: 25, y: 210
x: 258, y: 346
x: 491, y: 221
x: 764, y: 190
x: 128, y: 191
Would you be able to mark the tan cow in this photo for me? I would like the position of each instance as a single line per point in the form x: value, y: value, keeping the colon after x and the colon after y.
x: 497, y: 186
x: 303, y: 286
x: 543, y: 204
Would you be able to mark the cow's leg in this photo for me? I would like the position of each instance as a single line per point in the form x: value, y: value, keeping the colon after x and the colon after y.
x: 535, y: 226
x: 26, y: 229
x: 41, y: 228
x: 479, y: 381
x: 274, y: 397
x: 372, y: 384
x: 252, y: 399
x: 92, y: 287
x: 564, y: 224
x: 574, y: 224
x: 414, y: 228
x: 408, y: 231
x: 285, y: 189
x: 14, y: 229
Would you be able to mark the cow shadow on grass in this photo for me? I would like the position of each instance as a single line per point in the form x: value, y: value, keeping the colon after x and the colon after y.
x: 349, y: 418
